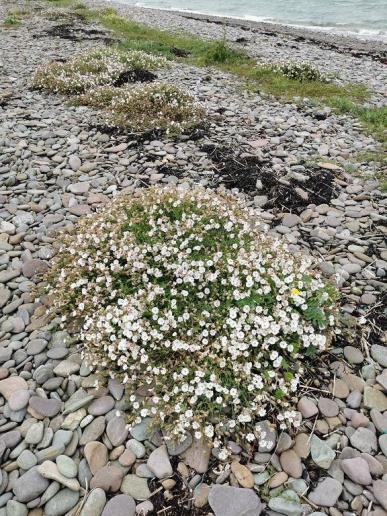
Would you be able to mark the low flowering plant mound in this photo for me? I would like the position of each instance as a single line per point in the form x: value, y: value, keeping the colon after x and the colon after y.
x: 203, y: 317
x: 91, y: 69
x: 151, y: 107
x: 299, y: 71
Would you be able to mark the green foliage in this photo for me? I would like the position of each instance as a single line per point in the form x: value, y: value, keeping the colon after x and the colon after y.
x: 287, y: 83
x: 302, y: 72
x: 150, y: 107
x: 92, y: 69
x: 154, y: 283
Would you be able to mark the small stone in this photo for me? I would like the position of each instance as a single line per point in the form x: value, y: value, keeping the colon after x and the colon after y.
x: 158, y: 462
x: 30, y: 485
x: 364, y: 440
x: 328, y: 407
x: 108, y: 478
x: 284, y: 443
x: 322, y: 454
x: 15, y: 508
x: 117, y: 430
x: 96, y: 455
x: 200, y: 494
x: 242, y: 474
x: 383, y: 444
x: 354, y: 399
x: 302, y: 445
x: 45, y: 407
x: 290, y: 219
x: 101, y: 406
x: 127, y: 458
x: 234, y: 501
x: 357, y: 470
x: 12, y: 384
x: 79, y: 188
x: 373, y: 399
x: 379, y: 489
x: 291, y: 463
x: 61, y: 503
x: 26, y: 460
x: 18, y: 400
x: 121, y: 505
x: 198, y: 455
x: 50, y: 471
x: 136, y: 487
x: 95, y: 503
x: 145, y: 508
x: 378, y: 353
x: 143, y: 430
x: 178, y: 448
x: 32, y: 267
x: 287, y: 503
x: 136, y: 447
x: 359, y: 420
x: 339, y: 389
x: 74, y: 162
x: 66, y: 466
x: 353, y: 355
x: 35, y: 433
x: 307, y: 408
x: 66, y: 368
x: 278, y: 479
x: 93, y: 430
x: 326, y: 493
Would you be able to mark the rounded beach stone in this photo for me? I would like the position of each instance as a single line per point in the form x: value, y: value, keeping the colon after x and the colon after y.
x: 291, y: 463
x: 234, y: 501
x: 96, y: 455
x: 66, y: 466
x: 326, y: 493
x: 95, y: 503
x: 328, y: 407
x: 120, y: 505
x: 307, y: 407
x: 101, y: 406
x: 158, y: 462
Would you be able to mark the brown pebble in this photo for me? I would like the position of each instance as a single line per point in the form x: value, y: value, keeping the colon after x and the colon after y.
x: 127, y: 459
x: 168, y: 483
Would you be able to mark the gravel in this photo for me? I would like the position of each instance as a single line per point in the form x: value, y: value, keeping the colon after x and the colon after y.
x: 64, y: 445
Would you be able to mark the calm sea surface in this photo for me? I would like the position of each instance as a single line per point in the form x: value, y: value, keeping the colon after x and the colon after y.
x: 366, y: 18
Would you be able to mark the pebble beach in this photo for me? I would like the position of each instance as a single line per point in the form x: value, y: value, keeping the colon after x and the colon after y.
x: 65, y: 447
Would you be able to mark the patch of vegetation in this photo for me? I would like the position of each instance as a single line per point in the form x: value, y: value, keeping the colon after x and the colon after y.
x: 152, y: 107
x: 285, y: 81
x: 93, y: 69
x: 181, y: 292
x: 299, y: 71
x: 12, y: 18
x: 374, y: 119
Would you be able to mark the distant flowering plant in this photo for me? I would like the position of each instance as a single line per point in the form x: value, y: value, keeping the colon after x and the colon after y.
x: 299, y: 71
x: 92, y: 69
x: 205, y: 318
x: 151, y: 107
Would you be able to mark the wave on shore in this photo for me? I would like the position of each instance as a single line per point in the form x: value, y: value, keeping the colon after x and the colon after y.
x: 370, y: 30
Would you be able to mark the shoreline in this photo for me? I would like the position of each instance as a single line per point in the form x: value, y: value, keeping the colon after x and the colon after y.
x: 349, y: 43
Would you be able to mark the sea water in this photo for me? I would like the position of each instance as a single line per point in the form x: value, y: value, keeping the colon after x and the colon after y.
x: 365, y: 18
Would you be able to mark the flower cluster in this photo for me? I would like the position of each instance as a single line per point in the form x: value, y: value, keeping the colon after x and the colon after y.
x: 203, y: 317
x: 151, y: 107
x: 92, y: 69
x: 299, y: 71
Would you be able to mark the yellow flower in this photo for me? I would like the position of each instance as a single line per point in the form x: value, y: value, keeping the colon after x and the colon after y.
x: 295, y: 292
